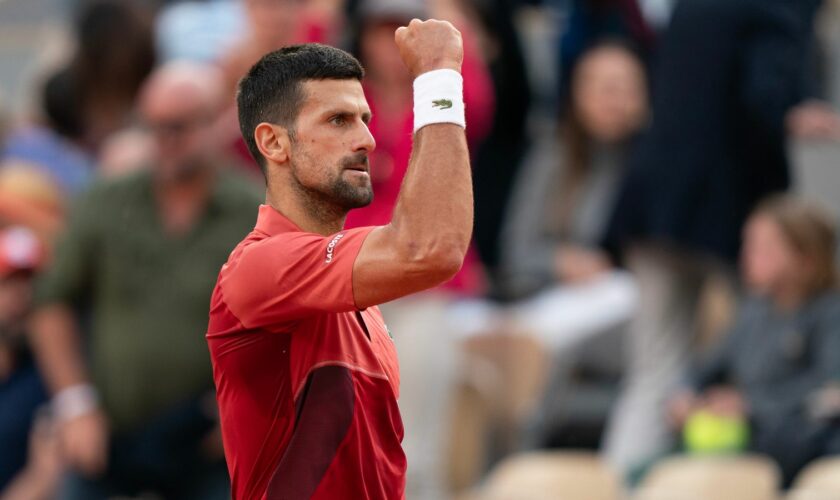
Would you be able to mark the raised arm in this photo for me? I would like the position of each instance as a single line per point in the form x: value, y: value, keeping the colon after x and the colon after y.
x: 425, y: 243
x: 82, y: 426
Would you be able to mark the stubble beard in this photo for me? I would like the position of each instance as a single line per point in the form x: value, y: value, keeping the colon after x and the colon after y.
x: 335, y: 195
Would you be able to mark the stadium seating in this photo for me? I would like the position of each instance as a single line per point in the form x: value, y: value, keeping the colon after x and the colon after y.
x: 746, y: 477
x: 501, y: 381
x: 551, y: 476
x: 819, y: 481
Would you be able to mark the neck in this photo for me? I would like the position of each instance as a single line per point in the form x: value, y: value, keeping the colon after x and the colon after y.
x: 181, y: 200
x: 197, y: 180
x: 307, y: 210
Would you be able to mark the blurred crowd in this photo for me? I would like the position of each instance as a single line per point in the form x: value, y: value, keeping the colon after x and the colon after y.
x: 647, y: 276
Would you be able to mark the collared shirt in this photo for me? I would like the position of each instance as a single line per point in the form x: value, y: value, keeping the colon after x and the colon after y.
x: 146, y: 291
x: 307, y: 383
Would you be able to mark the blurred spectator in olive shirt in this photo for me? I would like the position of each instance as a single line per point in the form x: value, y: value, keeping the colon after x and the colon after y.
x: 140, y: 258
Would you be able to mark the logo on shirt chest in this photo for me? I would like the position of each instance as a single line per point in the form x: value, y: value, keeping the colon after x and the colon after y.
x: 331, y: 247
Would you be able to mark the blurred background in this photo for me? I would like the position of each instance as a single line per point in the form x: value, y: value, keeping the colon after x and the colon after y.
x: 649, y: 309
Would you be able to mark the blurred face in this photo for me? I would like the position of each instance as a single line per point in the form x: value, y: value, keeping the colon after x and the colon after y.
x: 180, y: 120
x: 609, y: 93
x: 331, y: 144
x: 274, y: 22
x: 768, y: 262
x: 380, y: 53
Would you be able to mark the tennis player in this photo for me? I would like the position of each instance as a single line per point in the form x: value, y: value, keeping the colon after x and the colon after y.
x: 305, y: 369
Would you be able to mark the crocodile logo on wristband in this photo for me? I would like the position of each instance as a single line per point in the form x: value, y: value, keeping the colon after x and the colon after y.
x: 442, y: 103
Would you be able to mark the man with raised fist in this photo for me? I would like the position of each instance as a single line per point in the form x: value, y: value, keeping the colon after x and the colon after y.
x: 306, y: 372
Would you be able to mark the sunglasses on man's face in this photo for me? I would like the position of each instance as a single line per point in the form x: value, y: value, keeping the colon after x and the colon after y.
x: 175, y: 127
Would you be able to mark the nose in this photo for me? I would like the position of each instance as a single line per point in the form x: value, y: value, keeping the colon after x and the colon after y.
x: 365, y: 141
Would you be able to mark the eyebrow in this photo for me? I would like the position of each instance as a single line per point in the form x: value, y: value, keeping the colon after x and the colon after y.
x: 367, y: 116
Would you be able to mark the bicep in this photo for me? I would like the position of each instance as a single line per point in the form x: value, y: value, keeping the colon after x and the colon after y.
x: 383, y: 273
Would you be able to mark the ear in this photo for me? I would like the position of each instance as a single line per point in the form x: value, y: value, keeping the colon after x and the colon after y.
x: 273, y: 142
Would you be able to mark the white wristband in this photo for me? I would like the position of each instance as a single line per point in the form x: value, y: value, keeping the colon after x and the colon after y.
x: 439, y: 98
x: 74, y: 401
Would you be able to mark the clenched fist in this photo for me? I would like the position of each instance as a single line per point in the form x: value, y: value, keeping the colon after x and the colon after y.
x: 429, y: 45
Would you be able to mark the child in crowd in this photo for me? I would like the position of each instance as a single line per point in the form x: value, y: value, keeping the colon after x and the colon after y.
x: 784, y: 347
x: 29, y: 463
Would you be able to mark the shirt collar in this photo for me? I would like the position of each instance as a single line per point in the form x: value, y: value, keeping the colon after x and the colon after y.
x: 271, y: 222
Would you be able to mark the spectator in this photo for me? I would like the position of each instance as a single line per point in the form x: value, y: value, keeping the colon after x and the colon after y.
x: 716, y: 146
x: 785, y: 344
x: 54, y: 142
x: 558, y: 212
x: 560, y: 209
x: 115, y: 54
x: 29, y: 197
x: 23, y: 474
x: 93, y: 95
x: 140, y: 256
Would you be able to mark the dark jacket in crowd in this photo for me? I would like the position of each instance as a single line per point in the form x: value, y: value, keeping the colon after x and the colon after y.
x: 500, y: 155
x: 22, y: 393
x: 727, y: 73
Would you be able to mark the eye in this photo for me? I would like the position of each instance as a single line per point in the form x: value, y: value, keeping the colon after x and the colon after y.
x: 338, y: 120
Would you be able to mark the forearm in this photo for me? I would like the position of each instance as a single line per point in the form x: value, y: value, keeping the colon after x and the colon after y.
x: 57, y: 345
x: 434, y: 213
x: 430, y: 230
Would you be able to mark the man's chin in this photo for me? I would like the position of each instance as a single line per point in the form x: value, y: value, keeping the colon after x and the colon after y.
x: 362, y: 201
x: 358, y: 196
x: 349, y: 194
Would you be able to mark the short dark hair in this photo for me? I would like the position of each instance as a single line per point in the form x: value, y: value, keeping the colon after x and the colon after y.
x: 272, y: 90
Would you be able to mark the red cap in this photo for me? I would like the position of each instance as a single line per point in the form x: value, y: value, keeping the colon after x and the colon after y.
x: 20, y: 250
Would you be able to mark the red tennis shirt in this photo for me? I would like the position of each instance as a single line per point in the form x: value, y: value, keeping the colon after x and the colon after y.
x: 307, y: 383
